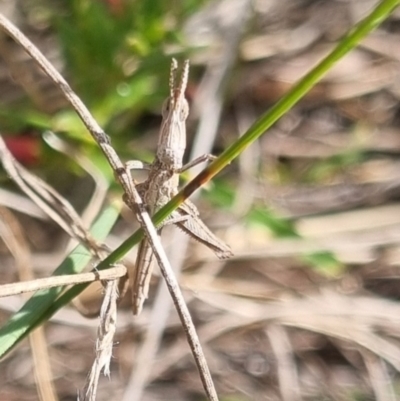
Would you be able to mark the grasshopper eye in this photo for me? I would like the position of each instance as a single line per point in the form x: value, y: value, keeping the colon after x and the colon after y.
x: 166, y: 107
x: 184, y: 110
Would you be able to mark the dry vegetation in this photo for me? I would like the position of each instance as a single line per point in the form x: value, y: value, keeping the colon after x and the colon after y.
x: 307, y: 309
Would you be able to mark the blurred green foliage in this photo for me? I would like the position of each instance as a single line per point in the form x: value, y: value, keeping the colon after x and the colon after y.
x: 325, y: 169
x: 325, y: 263
x: 222, y: 194
x: 116, y: 56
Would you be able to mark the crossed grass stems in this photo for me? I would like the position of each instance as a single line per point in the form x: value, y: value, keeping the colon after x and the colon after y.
x: 53, y: 300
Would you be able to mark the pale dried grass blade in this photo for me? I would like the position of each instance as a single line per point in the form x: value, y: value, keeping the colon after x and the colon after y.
x: 12, y: 235
x: 286, y: 365
x: 97, y: 198
x: 379, y: 377
x: 57, y: 281
x: 48, y: 199
x: 104, y: 342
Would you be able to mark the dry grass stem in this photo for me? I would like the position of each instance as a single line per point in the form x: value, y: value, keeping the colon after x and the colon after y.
x: 287, y: 371
x: 379, y: 376
x: 57, y: 281
x: 101, y: 186
x: 104, y: 342
x: 48, y: 199
x: 12, y: 235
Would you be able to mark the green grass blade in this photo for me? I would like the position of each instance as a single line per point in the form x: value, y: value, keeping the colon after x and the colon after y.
x: 36, y: 308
